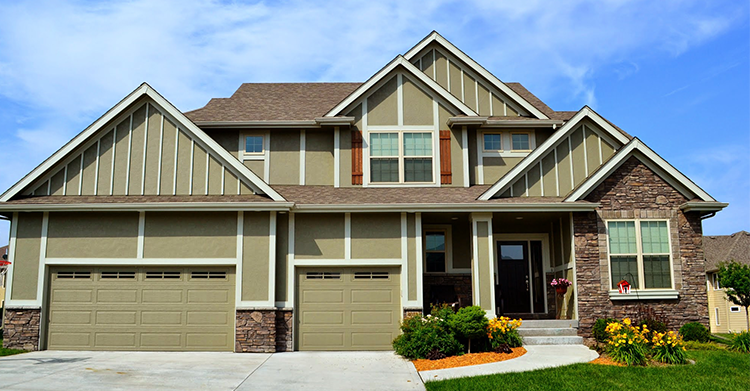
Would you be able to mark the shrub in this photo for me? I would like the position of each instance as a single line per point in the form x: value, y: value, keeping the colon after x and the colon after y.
x: 695, y: 331
x: 741, y: 342
x: 469, y: 322
x: 421, y: 335
x: 668, y: 348
x: 504, y: 331
x: 599, y: 331
x: 626, y: 343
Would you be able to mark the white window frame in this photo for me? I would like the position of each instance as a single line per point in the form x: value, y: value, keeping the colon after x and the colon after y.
x: 734, y: 309
x: 530, y: 135
x: 447, y: 230
x: 716, y: 316
x: 401, y: 157
x: 253, y: 155
x: 484, y: 149
x: 639, y: 256
x: 506, y: 143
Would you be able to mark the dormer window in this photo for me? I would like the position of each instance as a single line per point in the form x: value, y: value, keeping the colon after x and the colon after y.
x: 253, y: 145
x: 401, y: 157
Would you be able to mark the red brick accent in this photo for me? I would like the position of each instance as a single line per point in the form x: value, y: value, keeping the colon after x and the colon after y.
x: 634, y: 191
x: 21, y: 329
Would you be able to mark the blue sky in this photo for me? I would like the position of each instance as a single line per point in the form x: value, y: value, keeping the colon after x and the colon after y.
x: 676, y: 74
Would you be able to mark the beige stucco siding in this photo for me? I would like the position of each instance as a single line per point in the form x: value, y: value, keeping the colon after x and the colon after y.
x: 284, y: 165
x: 92, y: 235
x: 136, y: 152
x: 255, y: 256
x: 57, y: 183
x: 486, y: 279
x: 105, y: 163
x: 214, y: 176
x: 121, y: 156
x: 229, y: 139
x: 319, y: 235
x: 592, y: 151
x: 319, y: 158
x: 184, y: 147
x: 89, y: 171
x: 150, y: 182
x: 563, y: 168
x: 496, y: 167
x: 441, y: 70
x: 418, y: 107
x: 549, y: 178
x: 455, y: 79
x: 26, y: 256
x: 74, y: 175
x: 607, y: 150
x: 428, y: 63
x: 256, y: 166
x: 457, y: 158
x: 282, y: 252
x: 535, y: 181
x: 376, y: 235
x: 579, y: 169
x: 483, y: 104
x: 166, y: 187
x: 470, y: 97
x: 382, y: 105
x: 190, y: 235
x: 231, y: 183
x: 199, y: 170
x: 461, y: 235
x: 411, y: 256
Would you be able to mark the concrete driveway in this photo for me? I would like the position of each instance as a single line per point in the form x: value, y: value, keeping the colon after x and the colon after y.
x: 330, y: 371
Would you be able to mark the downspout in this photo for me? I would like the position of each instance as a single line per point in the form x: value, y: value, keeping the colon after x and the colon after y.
x: 708, y: 216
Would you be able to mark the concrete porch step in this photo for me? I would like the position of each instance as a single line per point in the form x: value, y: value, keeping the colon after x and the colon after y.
x: 549, y: 323
x: 548, y: 331
x: 553, y: 340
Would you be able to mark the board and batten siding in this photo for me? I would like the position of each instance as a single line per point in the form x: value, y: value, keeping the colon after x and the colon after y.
x: 564, y: 167
x: 141, y: 152
x: 472, y: 89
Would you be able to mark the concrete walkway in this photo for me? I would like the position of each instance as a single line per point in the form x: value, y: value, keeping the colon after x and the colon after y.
x: 537, y: 357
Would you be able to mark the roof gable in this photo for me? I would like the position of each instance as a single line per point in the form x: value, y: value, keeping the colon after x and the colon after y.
x: 383, y: 75
x: 475, y: 68
x: 636, y: 148
x: 86, y: 148
x: 605, y: 131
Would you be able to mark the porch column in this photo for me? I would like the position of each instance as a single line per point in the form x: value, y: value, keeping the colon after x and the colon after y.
x: 483, y: 263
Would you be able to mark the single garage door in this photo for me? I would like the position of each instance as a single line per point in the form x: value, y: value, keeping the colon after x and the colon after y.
x: 347, y: 308
x: 161, y: 309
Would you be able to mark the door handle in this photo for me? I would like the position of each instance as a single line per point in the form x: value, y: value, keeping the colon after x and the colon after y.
x: 527, y: 283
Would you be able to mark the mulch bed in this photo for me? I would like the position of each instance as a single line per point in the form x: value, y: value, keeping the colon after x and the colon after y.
x: 467, y: 359
x: 605, y: 360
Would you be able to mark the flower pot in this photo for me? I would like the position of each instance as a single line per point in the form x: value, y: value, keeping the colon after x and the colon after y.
x: 561, y: 290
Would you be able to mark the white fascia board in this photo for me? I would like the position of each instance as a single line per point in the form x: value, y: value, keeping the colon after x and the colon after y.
x: 531, y: 123
x: 258, y: 124
x: 507, y: 179
x: 241, y: 169
x: 476, y: 67
x: 152, y: 206
x: 478, y: 207
x: 655, y: 162
x: 416, y: 73
x: 175, y: 115
x: 703, y: 206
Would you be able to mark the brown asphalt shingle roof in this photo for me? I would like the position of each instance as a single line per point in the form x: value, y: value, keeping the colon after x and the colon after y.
x: 275, y: 102
x: 328, y: 195
x: 724, y: 248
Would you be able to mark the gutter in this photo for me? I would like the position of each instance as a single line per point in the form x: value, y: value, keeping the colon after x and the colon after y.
x: 478, y: 207
x: 703, y: 206
x: 505, y: 123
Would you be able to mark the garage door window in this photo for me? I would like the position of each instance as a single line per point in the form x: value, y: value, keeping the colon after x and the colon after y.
x: 203, y: 275
x: 323, y: 276
x: 115, y: 275
x: 162, y: 275
x: 371, y: 275
x: 74, y: 275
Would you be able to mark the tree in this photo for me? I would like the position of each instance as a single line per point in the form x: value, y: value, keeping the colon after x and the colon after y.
x: 735, y: 279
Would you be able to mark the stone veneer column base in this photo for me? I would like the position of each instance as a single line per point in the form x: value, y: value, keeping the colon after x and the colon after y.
x: 284, y: 330
x: 255, y: 331
x: 409, y: 312
x: 21, y: 328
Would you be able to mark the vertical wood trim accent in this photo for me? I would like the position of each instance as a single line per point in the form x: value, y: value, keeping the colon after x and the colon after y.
x: 336, y: 157
x: 445, y: 157
x: 141, y: 233
x: 161, y: 155
x: 356, y: 157
x: 302, y: 156
x: 192, y: 165
x: 465, y: 155
x: 96, y: 169
x: 114, y: 153
x: 239, y: 272
x: 80, y: 176
x: 176, y: 154
x: 130, y: 150
x: 65, y: 181
x: 145, y: 150
x: 347, y: 236
x: 272, y: 259
x: 208, y: 169
x: 420, y: 256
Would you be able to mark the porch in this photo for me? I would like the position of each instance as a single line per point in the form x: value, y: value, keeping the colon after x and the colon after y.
x: 503, y: 262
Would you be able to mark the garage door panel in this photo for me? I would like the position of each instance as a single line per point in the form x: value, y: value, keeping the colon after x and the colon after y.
x: 347, y: 308
x: 149, y: 309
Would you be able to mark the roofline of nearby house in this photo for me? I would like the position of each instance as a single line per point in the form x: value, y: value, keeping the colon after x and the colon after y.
x: 293, y: 124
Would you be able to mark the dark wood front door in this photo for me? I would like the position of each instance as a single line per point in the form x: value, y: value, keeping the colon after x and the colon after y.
x: 513, y: 277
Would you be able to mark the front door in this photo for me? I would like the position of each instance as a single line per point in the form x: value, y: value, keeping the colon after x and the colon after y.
x: 513, y: 277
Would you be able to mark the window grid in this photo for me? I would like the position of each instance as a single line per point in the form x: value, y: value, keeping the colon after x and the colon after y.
x: 414, y: 161
x: 493, y: 142
x: 254, y: 145
x: 658, y: 258
x: 520, y: 141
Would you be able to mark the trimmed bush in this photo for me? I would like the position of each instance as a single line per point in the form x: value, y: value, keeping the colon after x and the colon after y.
x: 469, y: 322
x: 740, y: 342
x: 422, y: 335
x: 695, y: 331
x: 599, y: 331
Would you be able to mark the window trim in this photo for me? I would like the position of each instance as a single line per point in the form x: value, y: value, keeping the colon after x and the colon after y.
x: 716, y: 316
x: 447, y: 230
x: 506, y: 141
x: 531, y: 146
x: 485, y: 150
x: 402, y: 157
x: 735, y: 309
x: 244, y: 155
x: 670, y: 291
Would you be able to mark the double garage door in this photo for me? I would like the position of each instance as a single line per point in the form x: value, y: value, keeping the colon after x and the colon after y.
x: 158, y: 309
x: 347, y: 308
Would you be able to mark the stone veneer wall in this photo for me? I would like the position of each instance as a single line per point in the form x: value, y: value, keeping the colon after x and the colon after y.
x: 634, y: 191
x: 255, y: 331
x: 284, y: 331
x: 21, y: 328
x: 461, y: 282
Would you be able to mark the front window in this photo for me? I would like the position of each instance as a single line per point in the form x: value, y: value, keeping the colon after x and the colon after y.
x: 435, y: 251
x: 639, y: 253
x: 254, y: 144
x: 401, y: 157
x: 520, y: 142
x: 492, y: 142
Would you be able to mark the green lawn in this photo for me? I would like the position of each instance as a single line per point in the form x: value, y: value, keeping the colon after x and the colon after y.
x: 714, y: 370
x: 8, y: 352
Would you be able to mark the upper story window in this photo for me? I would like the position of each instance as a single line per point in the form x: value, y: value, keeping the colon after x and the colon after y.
x: 401, y: 157
x: 492, y: 142
x: 639, y: 253
x: 253, y: 145
x: 520, y: 142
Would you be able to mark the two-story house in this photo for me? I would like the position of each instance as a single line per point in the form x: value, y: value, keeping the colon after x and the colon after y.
x: 315, y: 216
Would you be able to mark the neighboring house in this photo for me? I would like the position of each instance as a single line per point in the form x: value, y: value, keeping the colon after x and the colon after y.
x: 314, y: 216
x: 725, y: 315
x: 3, y: 269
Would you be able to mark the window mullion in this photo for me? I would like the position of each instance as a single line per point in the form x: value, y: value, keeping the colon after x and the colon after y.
x: 401, y: 157
x: 639, y: 247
